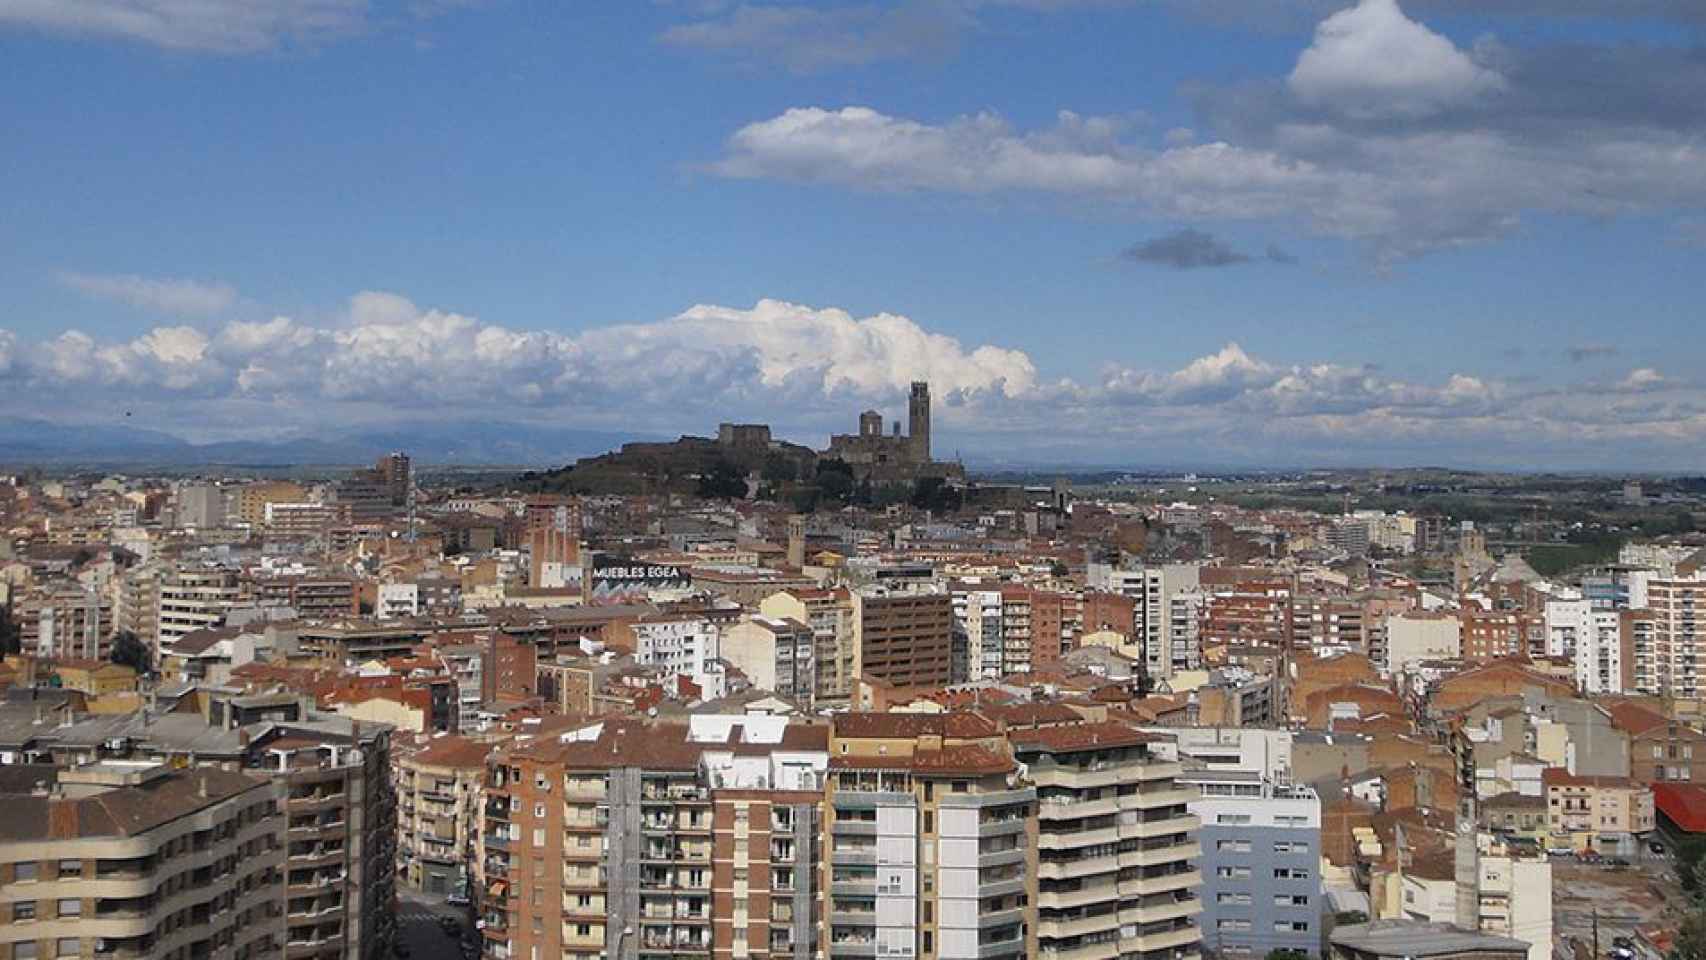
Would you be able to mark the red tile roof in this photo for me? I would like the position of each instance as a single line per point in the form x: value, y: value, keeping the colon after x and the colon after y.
x: 1684, y: 804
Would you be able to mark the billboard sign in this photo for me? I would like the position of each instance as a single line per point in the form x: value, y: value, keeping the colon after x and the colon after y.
x: 616, y: 579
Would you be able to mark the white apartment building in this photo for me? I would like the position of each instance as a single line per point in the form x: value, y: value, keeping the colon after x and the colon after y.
x: 398, y: 600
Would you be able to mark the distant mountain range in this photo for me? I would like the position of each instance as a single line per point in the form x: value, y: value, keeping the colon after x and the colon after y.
x: 25, y: 442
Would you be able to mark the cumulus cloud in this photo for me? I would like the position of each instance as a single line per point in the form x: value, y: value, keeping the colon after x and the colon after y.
x: 1372, y: 60
x: 1078, y: 155
x: 1384, y: 133
x: 183, y: 298
x: 807, y: 369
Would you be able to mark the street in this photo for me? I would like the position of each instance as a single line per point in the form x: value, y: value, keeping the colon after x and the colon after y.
x: 418, y: 918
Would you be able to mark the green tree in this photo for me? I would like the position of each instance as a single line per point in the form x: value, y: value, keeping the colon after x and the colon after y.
x: 11, y: 634
x: 1689, y: 855
x: 1691, y: 935
x: 723, y: 481
x: 130, y: 651
x: 934, y: 494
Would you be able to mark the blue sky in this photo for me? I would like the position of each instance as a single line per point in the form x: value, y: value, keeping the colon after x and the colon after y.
x: 1291, y: 231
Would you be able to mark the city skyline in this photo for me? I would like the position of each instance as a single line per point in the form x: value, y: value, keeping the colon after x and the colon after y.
x: 1107, y: 233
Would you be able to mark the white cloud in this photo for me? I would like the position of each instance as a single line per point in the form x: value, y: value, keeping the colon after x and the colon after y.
x: 808, y: 370
x: 1643, y: 378
x: 860, y: 147
x: 183, y: 298
x: 1373, y: 61
x: 212, y: 26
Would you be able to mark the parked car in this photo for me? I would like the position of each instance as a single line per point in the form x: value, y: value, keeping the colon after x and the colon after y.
x: 1589, y: 856
x: 1617, y: 862
x: 1657, y: 848
x: 456, y: 900
x: 1623, y: 942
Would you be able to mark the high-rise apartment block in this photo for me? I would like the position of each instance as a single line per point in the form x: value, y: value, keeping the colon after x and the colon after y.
x: 627, y: 840
x: 1261, y: 855
x: 1116, y: 842
x: 930, y: 840
x: 903, y: 637
x: 193, y: 598
x: 133, y: 860
x: 1673, y: 662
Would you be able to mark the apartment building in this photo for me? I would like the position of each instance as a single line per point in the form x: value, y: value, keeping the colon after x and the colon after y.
x: 616, y: 840
x: 1674, y: 661
x: 1165, y: 625
x: 193, y: 598
x: 136, y: 607
x: 313, y: 598
x: 438, y: 804
x: 66, y: 620
x: 1491, y: 634
x: 1419, y: 635
x: 253, y: 499
x: 1661, y: 749
x: 133, y: 860
x: 1115, y: 843
x: 1245, y: 607
x: 904, y: 637
x: 683, y: 644
x: 1608, y: 814
x: 1327, y: 624
x: 930, y: 840
x: 775, y: 654
x: 1261, y: 851
x: 1605, y: 649
x: 339, y: 807
x: 829, y: 613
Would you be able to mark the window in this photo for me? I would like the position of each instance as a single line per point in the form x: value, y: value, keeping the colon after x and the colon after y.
x: 24, y: 872
x: 69, y: 947
x: 70, y: 869
x: 23, y: 910
x: 1232, y: 923
x: 1290, y: 846
x: 1291, y: 926
x: 24, y: 951
x: 1290, y: 900
x: 1232, y: 873
x: 1233, y: 899
x: 538, y: 810
x: 1291, y: 873
x: 1232, y: 818
x: 70, y: 908
x: 1658, y: 751
x: 929, y: 821
x: 538, y: 837
x: 583, y: 929
x: 1232, y: 846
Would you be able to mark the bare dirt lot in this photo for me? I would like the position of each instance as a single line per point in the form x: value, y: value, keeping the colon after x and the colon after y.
x: 1646, y: 895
